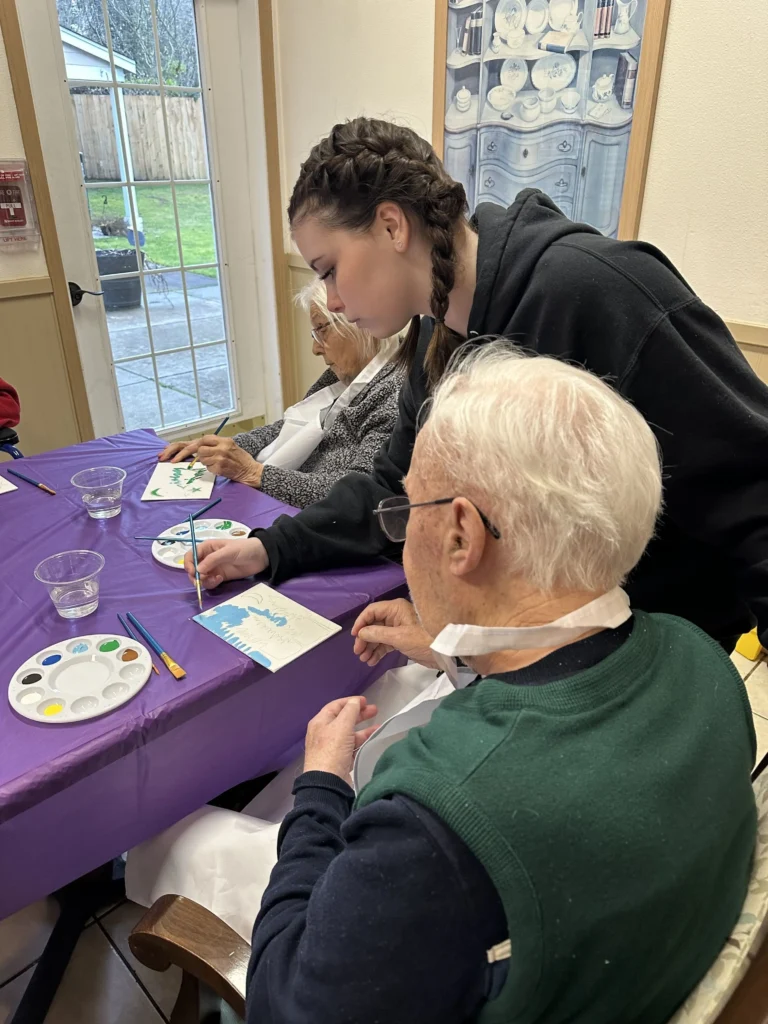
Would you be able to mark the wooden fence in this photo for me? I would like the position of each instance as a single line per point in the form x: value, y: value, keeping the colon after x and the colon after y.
x: 146, y: 137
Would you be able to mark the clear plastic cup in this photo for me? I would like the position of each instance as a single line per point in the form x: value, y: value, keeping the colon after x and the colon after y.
x: 72, y: 579
x: 101, y: 489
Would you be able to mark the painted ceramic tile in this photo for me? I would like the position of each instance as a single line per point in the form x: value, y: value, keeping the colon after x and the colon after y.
x: 173, y: 482
x: 269, y: 628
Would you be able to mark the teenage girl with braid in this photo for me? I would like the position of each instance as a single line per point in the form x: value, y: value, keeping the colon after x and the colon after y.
x: 378, y: 219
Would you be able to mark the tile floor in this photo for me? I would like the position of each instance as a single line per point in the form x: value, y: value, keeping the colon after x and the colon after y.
x: 104, y: 984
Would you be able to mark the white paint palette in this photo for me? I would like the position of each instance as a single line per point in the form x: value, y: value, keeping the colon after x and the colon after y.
x: 171, y: 552
x: 80, y: 678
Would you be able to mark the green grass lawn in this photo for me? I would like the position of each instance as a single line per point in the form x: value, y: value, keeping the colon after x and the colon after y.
x: 155, y: 207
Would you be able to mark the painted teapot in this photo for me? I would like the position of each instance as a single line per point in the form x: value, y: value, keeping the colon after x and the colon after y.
x: 602, y: 88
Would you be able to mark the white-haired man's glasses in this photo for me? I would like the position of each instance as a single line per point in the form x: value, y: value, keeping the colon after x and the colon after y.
x: 393, y: 515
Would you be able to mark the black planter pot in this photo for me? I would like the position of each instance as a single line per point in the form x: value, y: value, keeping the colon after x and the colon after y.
x: 126, y: 292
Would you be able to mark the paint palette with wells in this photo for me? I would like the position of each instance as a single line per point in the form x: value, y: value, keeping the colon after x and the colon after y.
x: 79, y: 678
x: 171, y: 552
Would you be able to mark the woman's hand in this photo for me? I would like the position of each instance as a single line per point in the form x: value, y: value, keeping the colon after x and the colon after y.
x: 220, y: 456
x: 219, y: 560
x: 178, y: 451
x: 391, y: 626
x: 332, y: 737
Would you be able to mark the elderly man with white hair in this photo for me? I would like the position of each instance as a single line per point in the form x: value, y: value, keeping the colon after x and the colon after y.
x: 569, y: 836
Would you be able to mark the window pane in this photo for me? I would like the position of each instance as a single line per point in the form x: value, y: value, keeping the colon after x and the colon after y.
x: 134, y: 372
x: 205, y: 306
x: 178, y: 42
x: 147, y: 157
x: 112, y: 229
x: 167, y: 312
x: 138, y: 394
x: 133, y: 40
x: 186, y: 132
x: 126, y: 319
x: 177, y: 387
x: 214, y: 377
x: 96, y: 133
x: 198, y: 241
x: 84, y: 39
x: 157, y: 226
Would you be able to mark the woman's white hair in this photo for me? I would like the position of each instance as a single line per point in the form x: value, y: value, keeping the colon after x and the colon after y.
x: 314, y: 294
x: 564, y: 466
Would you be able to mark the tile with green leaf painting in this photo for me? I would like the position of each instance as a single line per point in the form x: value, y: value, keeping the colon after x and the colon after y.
x: 170, y: 482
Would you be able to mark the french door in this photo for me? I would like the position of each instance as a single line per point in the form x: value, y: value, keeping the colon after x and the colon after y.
x: 140, y: 104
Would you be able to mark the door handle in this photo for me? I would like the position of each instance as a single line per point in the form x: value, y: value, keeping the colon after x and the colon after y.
x: 76, y: 293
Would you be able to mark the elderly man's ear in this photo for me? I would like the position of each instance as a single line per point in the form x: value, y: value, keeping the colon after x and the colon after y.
x: 467, y: 537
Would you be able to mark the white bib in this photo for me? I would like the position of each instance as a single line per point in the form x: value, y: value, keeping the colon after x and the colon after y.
x: 417, y: 712
x: 306, y: 423
x: 606, y: 612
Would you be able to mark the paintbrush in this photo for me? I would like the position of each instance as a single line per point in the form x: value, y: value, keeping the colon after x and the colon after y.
x: 176, y: 540
x: 216, y: 432
x: 29, y: 480
x: 194, y: 558
x: 173, y: 667
x: 133, y: 636
x: 196, y: 515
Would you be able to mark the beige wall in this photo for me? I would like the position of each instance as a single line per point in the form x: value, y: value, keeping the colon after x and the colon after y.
x: 17, y: 264
x: 706, y: 200
x: 31, y: 352
x: 336, y: 59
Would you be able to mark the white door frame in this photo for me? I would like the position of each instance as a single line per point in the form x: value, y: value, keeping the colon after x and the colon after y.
x: 235, y: 123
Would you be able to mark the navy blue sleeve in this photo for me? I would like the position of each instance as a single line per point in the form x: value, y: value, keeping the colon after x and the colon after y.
x: 379, y: 915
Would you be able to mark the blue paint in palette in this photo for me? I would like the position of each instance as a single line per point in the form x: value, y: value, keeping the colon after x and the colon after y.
x: 79, y: 649
x: 52, y: 659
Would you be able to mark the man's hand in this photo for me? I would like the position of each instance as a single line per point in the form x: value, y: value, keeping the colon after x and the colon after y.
x: 219, y: 560
x: 332, y: 740
x: 391, y: 626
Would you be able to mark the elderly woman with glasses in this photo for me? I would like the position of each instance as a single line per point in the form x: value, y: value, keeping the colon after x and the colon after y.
x: 562, y: 829
x: 337, y: 428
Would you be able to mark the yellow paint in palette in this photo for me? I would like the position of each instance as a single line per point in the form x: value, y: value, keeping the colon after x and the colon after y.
x: 53, y: 709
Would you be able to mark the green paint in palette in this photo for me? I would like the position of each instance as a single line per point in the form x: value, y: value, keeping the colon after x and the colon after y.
x: 109, y: 645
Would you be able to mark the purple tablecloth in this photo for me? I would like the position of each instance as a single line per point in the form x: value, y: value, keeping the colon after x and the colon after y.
x: 74, y: 796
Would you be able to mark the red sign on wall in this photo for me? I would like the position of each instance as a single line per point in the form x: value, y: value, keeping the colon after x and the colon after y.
x: 18, y: 220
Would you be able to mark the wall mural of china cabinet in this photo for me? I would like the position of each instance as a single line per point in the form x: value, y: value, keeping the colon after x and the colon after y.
x: 541, y: 93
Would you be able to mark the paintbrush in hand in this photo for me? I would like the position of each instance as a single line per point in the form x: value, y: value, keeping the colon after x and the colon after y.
x: 194, y: 558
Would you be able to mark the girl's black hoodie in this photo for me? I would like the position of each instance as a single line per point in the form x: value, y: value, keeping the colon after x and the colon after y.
x: 623, y: 311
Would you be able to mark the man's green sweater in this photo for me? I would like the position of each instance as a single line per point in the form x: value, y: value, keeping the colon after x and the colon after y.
x: 613, y: 812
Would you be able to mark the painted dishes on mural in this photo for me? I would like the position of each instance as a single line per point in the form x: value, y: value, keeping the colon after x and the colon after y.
x: 79, y: 678
x: 509, y: 17
x: 555, y: 71
x: 171, y: 552
x: 537, y: 17
x: 514, y: 73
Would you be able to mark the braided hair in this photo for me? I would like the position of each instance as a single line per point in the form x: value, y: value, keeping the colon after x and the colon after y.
x: 366, y: 162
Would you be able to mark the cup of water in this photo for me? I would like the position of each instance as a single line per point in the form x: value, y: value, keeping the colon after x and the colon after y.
x: 72, y: 579
x: 101, y: 489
